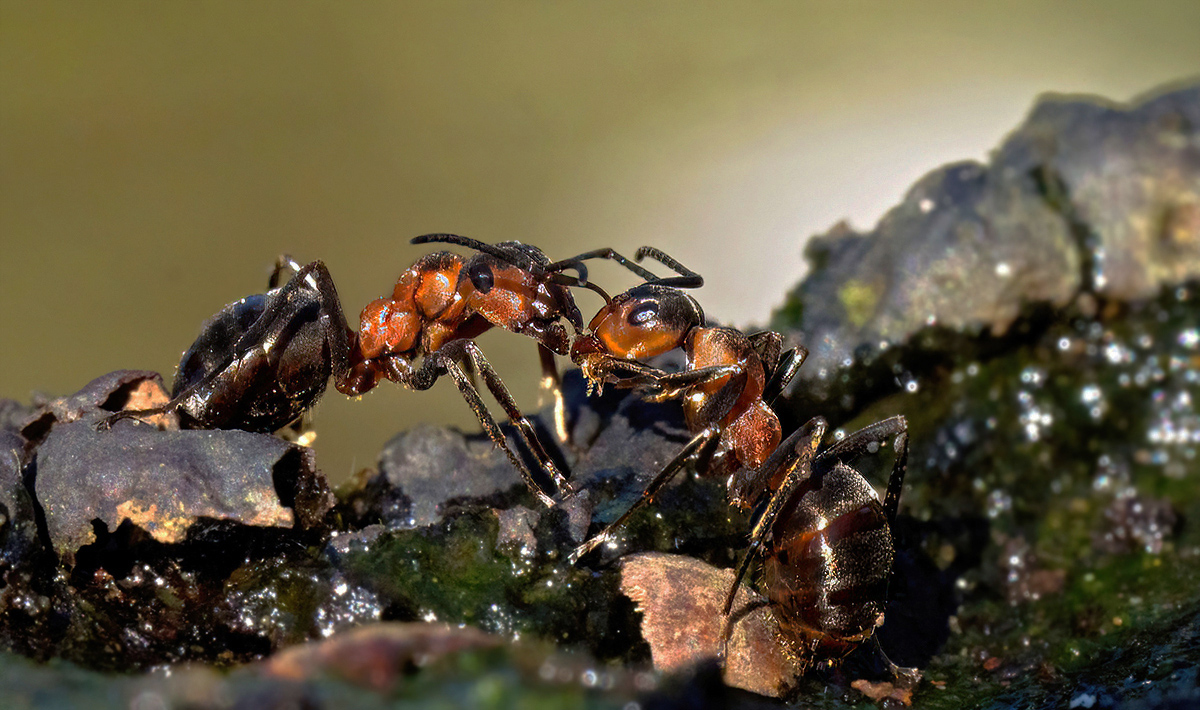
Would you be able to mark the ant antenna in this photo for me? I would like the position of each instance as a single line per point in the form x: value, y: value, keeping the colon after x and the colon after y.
x: 686, y: 279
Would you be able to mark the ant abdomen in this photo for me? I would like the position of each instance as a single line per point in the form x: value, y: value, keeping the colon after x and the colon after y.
x: 826, y: 571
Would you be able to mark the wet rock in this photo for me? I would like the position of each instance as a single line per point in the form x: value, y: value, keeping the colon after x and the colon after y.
x: 637, y: 440
x: 15, y: 504
x: 1085, y: 196
x: 113, y: 392
x: 1127, y: 179
x: 18, y: 528
x: 165, y: 482
x: 21, y: 552
x: 517, y: 526
x: 430, y: 467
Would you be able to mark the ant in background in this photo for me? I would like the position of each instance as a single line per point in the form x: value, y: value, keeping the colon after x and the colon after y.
x: 825, y: 537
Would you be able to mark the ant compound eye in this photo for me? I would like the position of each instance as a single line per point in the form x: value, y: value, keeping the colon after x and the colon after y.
x: 644, y: 315
x: 481, y: 277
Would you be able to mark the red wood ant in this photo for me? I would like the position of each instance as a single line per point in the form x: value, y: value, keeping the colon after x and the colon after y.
x: 727, y: 384
x: 825, y: 538
x: 263, y: 361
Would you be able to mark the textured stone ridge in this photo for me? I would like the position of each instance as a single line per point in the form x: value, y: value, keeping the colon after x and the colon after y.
x: 1086, y: 196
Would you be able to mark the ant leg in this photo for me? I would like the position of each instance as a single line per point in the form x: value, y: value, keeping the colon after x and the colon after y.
x: 867, y: 441
x: 705, y: 443
x: 796, y: 455
x: 906, y: 677
x: 450, y: 358
x: 891, y: 499
x: 789, y: 363
x: 492, y: 379
x: 283, y: 262
x: 662, y: 385
x: 471, y: 394
x: 552, y: 382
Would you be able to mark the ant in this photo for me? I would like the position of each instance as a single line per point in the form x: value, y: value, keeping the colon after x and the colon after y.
x: 825, y: 538
x: 728, y: 382
x: 263, y: 361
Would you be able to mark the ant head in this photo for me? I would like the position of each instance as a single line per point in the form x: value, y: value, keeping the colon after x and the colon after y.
x: 645, y: 321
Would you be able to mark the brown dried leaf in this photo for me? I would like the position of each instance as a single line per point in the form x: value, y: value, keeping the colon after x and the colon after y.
x: 884, y: 690
x: 681, y: 600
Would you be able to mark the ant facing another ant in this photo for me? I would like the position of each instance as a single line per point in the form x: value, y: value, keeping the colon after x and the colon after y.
x: 263, y: 361
x: 824, y: 536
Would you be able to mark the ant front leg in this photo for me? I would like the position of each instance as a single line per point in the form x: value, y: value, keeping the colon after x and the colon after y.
x: 781, y: 365
x: 657, y: 383
x: 454, y: 358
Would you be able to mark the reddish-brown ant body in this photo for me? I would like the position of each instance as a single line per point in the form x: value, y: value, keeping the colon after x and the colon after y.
x: 726, y: 387
x: 824, y: 536
x: 263, y: 361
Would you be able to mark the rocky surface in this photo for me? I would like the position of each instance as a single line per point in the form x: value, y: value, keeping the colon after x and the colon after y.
x: 1041, y: 318
x: 1086, y: 197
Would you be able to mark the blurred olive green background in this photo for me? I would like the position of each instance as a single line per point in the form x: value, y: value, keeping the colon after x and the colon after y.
x: 156, y: 157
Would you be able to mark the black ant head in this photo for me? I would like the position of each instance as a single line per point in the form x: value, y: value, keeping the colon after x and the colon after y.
x: 645, y: 321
